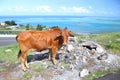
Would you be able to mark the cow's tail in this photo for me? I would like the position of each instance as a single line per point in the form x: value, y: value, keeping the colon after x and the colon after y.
x: 16, y: 38
x: 19, y: 54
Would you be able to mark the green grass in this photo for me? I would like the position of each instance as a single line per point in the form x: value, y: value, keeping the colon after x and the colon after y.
x: 27, y: 76
x: 65, y: 65
x: 100, y: 73
x: 2, y: 69
x: 37, y: 67
x: 110, y: 41
x: 10, y: 57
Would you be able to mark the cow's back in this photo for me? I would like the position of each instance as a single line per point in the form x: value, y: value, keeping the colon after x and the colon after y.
x: 34, y: 40
x: 39, y: 40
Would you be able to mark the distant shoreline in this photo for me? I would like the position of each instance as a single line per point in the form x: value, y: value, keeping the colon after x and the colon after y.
x: 67, y: 16
x: 88, y: 24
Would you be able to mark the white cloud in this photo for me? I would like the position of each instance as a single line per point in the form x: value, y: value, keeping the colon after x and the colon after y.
x: 80, y: 9
x: 75, y: 9
x: 63, y: 8
x: 43, y: 9
x: 18, y: 9
x: 49, y: 10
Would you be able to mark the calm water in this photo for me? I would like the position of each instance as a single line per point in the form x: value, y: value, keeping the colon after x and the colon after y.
x: 76, y: 24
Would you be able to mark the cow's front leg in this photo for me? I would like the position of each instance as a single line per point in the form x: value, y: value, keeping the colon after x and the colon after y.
x: 54, y: 49
x: 49, y: 54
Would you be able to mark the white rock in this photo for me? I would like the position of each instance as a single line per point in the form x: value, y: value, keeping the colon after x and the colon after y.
x: 70, y: 47
x: 84, y: 72
x: 8, y: 51
x: 99, y: 49
x: 84, y: 59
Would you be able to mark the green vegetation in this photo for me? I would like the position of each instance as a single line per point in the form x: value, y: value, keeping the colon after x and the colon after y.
x: 40, y: 27
x: 65, y: 65
x: 100, y: 73
x: 110, y: 41
x: 27, y: 27
x: 9, y: 78
x: 80, y: 37
x: 27, y: 76
x: 10, y: 22
x: 10, y: 57
x: 37, y: 67
x: 10, y: 31
x: 55, y: 27
x: 2, y: 69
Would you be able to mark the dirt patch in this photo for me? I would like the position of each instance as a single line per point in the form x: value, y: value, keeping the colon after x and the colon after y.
x: 6, y: 69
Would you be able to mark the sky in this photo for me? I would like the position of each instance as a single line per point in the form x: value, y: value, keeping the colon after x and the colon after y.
x: 60, y: 7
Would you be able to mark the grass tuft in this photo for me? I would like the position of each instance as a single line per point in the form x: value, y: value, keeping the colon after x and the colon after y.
x: 10, y: 57
x: 27, y: 76
x: 37, y: 67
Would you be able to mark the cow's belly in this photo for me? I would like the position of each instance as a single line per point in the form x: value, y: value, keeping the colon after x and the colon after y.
x: 41, y: 45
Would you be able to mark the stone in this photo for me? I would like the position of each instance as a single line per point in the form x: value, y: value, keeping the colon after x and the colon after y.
x: 118, y: 39
x: 84, y: 73
x: 92, y: 45
x: 103, y: 56
x: 8, y: 51
x: 70, y: 48
x: 84, y: 59
x: 92, y: 52
x: 99, y: 49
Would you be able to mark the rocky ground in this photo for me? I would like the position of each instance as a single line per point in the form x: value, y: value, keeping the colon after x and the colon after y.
x: 74, y: 62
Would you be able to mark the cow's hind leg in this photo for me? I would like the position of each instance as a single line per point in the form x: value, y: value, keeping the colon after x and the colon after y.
x: 23, y: 60
x: 54, y: 49
x: 26, y: 64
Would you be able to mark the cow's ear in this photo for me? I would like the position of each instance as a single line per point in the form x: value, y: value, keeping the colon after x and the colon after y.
x: 71, y: 34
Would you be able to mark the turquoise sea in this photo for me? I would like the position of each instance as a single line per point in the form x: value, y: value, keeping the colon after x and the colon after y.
x: 76, y: 24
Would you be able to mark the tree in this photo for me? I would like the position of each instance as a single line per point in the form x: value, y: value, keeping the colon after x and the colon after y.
x: 7, y: 22
x: 10, y: 22
x: 55, y: 27
x: 39, y: 27
x: 27, y: 27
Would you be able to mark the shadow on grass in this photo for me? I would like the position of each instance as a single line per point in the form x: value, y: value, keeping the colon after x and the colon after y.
x: 39, y: 57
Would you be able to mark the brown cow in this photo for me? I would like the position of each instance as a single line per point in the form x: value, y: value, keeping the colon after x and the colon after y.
x: 41, y: 40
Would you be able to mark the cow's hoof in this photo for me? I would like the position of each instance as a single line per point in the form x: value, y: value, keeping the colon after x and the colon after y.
x: 24, y: 70
x: 54, y: 62
x: 27, y: 67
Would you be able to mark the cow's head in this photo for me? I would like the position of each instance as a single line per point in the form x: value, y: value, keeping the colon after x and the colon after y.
x: 65, y: 35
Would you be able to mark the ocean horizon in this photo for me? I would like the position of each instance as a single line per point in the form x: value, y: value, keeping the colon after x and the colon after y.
x: 76, y: 24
